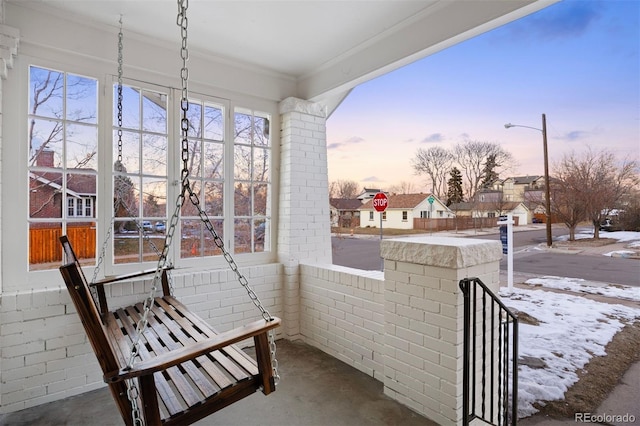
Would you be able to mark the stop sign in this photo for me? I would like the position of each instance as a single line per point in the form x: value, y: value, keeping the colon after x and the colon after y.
x: 380, y: 202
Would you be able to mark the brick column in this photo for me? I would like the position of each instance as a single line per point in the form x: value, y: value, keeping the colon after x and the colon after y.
x: 424, y: 318
x: 304, y: 231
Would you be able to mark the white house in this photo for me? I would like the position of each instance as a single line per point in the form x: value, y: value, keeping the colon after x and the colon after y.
x: 518, y: 209
x: 402, y: 209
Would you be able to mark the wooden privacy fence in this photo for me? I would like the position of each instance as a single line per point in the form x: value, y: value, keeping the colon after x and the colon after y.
x: 456, y: 223
x: 44, y: 243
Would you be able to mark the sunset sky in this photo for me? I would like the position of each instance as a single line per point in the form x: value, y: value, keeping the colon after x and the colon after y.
x: 577, y: 61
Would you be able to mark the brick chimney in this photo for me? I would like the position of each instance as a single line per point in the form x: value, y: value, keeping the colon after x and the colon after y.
x: 45, y: 158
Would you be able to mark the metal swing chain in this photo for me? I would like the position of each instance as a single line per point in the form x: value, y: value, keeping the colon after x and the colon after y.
x: 182, y: 21
x: 103, y: 250
x: 132, y: 390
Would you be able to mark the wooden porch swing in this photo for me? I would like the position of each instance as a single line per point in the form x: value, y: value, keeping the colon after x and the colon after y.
x: 163, y: 364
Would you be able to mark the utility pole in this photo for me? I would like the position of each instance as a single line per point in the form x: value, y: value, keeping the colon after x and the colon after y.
x: 547, y: 189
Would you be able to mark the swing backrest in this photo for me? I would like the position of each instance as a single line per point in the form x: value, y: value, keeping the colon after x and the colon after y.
x: 89, y: 313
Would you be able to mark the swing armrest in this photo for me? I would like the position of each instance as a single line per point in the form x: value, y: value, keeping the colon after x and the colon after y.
x: 123, y: 277
x: 186, y: 353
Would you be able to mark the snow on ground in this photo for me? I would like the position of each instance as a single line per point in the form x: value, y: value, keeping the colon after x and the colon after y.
x: 572, y: 329
x: 621, y: 236
x: 579, y: 285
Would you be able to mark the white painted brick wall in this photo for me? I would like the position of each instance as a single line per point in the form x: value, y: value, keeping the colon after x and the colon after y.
x: 342, y: 314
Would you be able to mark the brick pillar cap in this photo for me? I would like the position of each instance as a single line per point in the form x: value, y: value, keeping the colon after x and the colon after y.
x: 445, y: 252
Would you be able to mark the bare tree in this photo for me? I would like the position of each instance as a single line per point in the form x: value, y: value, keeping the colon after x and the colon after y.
x: 403, y: 187
x: 601, y: 182
x: 343, y: 189
x: 472, y: 156
x: 435, y: 162
x: 566, y: 197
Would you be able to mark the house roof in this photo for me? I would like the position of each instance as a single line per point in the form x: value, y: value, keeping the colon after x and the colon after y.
x: 525, y: 180
x: 77, y: 183
x: 325, y: 48
x: 400, y: 201
x: 488, y: 206
x: 345, y: 203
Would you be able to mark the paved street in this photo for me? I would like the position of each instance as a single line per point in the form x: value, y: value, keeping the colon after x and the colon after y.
x: 530, y: 257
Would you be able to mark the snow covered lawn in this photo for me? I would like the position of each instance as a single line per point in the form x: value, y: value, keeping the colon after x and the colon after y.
x: 572, y: 329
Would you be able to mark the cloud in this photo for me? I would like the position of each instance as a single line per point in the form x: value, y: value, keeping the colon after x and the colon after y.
x: 434, y: 137
x: 371, y: 179
x: 351, y: 141
x: 574, y: 135
x: 354, y: 140
x: 563, y: 20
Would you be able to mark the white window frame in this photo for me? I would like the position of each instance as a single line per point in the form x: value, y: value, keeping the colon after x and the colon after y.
x: 83, y: 203
x: 15, y: 227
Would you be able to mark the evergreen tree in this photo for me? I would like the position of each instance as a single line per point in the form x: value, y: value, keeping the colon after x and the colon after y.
x: 454, y: 191
x: 489, y: 174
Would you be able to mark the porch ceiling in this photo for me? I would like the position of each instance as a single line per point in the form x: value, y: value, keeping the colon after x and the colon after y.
x: 327, y: 47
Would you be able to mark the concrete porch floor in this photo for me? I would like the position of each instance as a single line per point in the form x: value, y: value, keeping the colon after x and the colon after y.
x: 315, y: 389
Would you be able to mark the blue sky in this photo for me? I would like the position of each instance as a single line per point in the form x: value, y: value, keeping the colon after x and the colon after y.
x: 577, y: 61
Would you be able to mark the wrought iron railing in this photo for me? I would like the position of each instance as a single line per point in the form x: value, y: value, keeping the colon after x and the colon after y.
x: 490, y: 373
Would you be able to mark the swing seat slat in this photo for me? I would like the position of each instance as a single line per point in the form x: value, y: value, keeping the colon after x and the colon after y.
x: 185, y: 370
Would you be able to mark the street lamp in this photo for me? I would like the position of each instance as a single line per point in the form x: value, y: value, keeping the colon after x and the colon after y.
x: 546, y: 173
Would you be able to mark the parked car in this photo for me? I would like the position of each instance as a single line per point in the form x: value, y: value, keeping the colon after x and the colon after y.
x: 161, y: 227
x: 536, y: 220
x: 146, y: 226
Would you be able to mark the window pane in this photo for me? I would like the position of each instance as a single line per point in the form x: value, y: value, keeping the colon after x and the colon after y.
x: 46, y: 89
x: 213, y: 161
x: 260, y: 198
x: 188, y: 208
x: 242, y: 200
x: 213, y: 123
x: 154, y: 112
x: 191, y: 241
x: 130, y: 151
x: 152, y: 245
x: 242, y: 162
x: 45, y: 197
x: 71, y: 207
x: 261, y: 165
x: 126, y: 196
x: 242, y: 234
x: 195, y: 160
x: 260, y: 232
x: 243, y: 129
x: 261, y: 134
x: 45, y: 143
x: 126, y: 241
x: 154, y: 198
x: 82, y: 99
x: 130, y: 108
x: 210, y: 247
x: 194, y: 114
x: 154, y: 155
x: 45, y: 252
x: 82, y: 147
x: 213, y: 198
